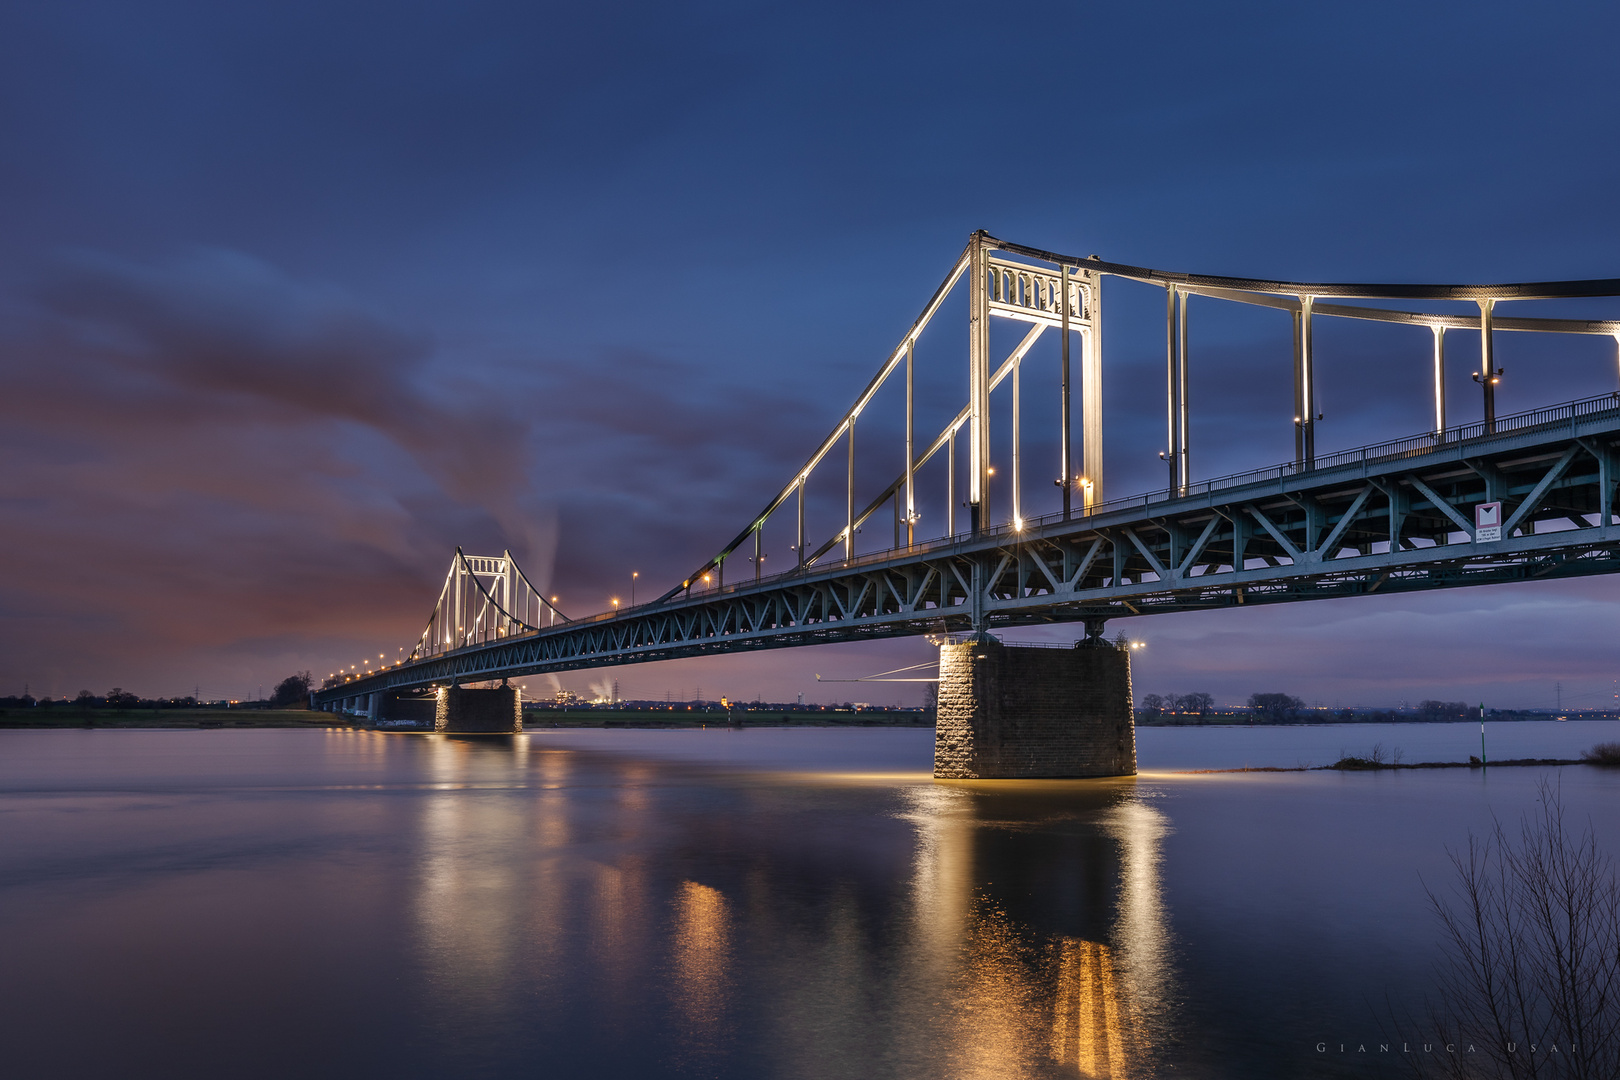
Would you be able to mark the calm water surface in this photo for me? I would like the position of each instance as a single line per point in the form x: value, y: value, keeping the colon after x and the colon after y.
x: 778, y: 903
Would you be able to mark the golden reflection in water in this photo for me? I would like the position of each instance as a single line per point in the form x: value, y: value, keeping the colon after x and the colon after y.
x: 360, y: 743
x: 1141, y: 928
x: 700, y: 958
x: 1087, y: 1030
x: 1018, y: 1002
x: 1034, y: 941
x: 941, y: 885
x: 634, y: 787
x: 996, y: 1011
x: 552, y: 769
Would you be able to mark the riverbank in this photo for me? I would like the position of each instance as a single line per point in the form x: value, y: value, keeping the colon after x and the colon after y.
x: 1324, y: 718
x: 1353, y: 764
x: 72, y: 717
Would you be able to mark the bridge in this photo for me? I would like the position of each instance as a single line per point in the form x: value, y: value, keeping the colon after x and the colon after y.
x: 1507, y: 498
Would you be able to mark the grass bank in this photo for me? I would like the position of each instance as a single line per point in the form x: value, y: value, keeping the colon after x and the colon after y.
x: 167, y: 718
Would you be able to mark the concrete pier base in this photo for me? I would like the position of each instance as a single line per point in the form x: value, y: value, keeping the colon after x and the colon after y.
x: 1007, y: 712
x: 462, y: 710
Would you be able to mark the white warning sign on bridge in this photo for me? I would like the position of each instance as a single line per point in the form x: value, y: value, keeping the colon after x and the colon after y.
x: 1487, y: 522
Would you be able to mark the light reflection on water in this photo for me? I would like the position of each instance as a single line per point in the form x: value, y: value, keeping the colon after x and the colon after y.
x: 1142, y: 933
x: 967, y: 986
x: 1022, y: 1000
x: 431, y: 906
x: 700, y: 959
x: 1087, y: 1029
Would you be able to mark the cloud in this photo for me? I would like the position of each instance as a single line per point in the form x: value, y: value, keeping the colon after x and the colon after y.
x: 224, y: 325
x: 209, y: 451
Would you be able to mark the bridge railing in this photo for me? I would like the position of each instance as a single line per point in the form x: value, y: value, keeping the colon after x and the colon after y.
x: 1372, y: 453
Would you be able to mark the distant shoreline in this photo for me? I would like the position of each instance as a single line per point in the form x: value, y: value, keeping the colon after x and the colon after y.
x: 69, y: 717
x: 1507, y: 717
x: 1361, y: 765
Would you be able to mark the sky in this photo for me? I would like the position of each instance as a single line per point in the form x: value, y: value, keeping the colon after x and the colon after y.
x: 296, y: 298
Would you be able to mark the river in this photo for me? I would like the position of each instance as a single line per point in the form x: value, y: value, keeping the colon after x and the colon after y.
x: 737, y: 904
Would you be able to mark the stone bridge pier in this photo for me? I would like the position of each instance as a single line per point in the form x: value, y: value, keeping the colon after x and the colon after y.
x: 1025, y: 712
x: 459, y: 709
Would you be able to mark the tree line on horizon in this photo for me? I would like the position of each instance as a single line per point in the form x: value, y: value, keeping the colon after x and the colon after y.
x: 1280, y: 708
x: 290, y: 692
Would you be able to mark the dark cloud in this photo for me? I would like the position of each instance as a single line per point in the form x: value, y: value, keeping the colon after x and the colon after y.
x: 229, y: 452
x: 225, y: 326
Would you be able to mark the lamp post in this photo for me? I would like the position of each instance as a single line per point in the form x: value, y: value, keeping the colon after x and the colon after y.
x: 633, y: 575
x: 1131, y: 648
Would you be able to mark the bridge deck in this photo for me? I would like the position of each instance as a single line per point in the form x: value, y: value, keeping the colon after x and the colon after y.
x: 1396, y: 517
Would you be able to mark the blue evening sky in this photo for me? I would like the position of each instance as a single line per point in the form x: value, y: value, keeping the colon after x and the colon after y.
x: 296, y: 297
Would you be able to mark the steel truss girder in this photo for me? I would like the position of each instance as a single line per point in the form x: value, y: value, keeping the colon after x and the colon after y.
x: 1390, y: 526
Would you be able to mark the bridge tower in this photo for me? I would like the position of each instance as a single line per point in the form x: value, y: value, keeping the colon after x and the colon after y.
x: 1063, y: 295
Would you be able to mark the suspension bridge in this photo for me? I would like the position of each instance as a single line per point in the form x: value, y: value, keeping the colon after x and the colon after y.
x: 1510, y: 497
